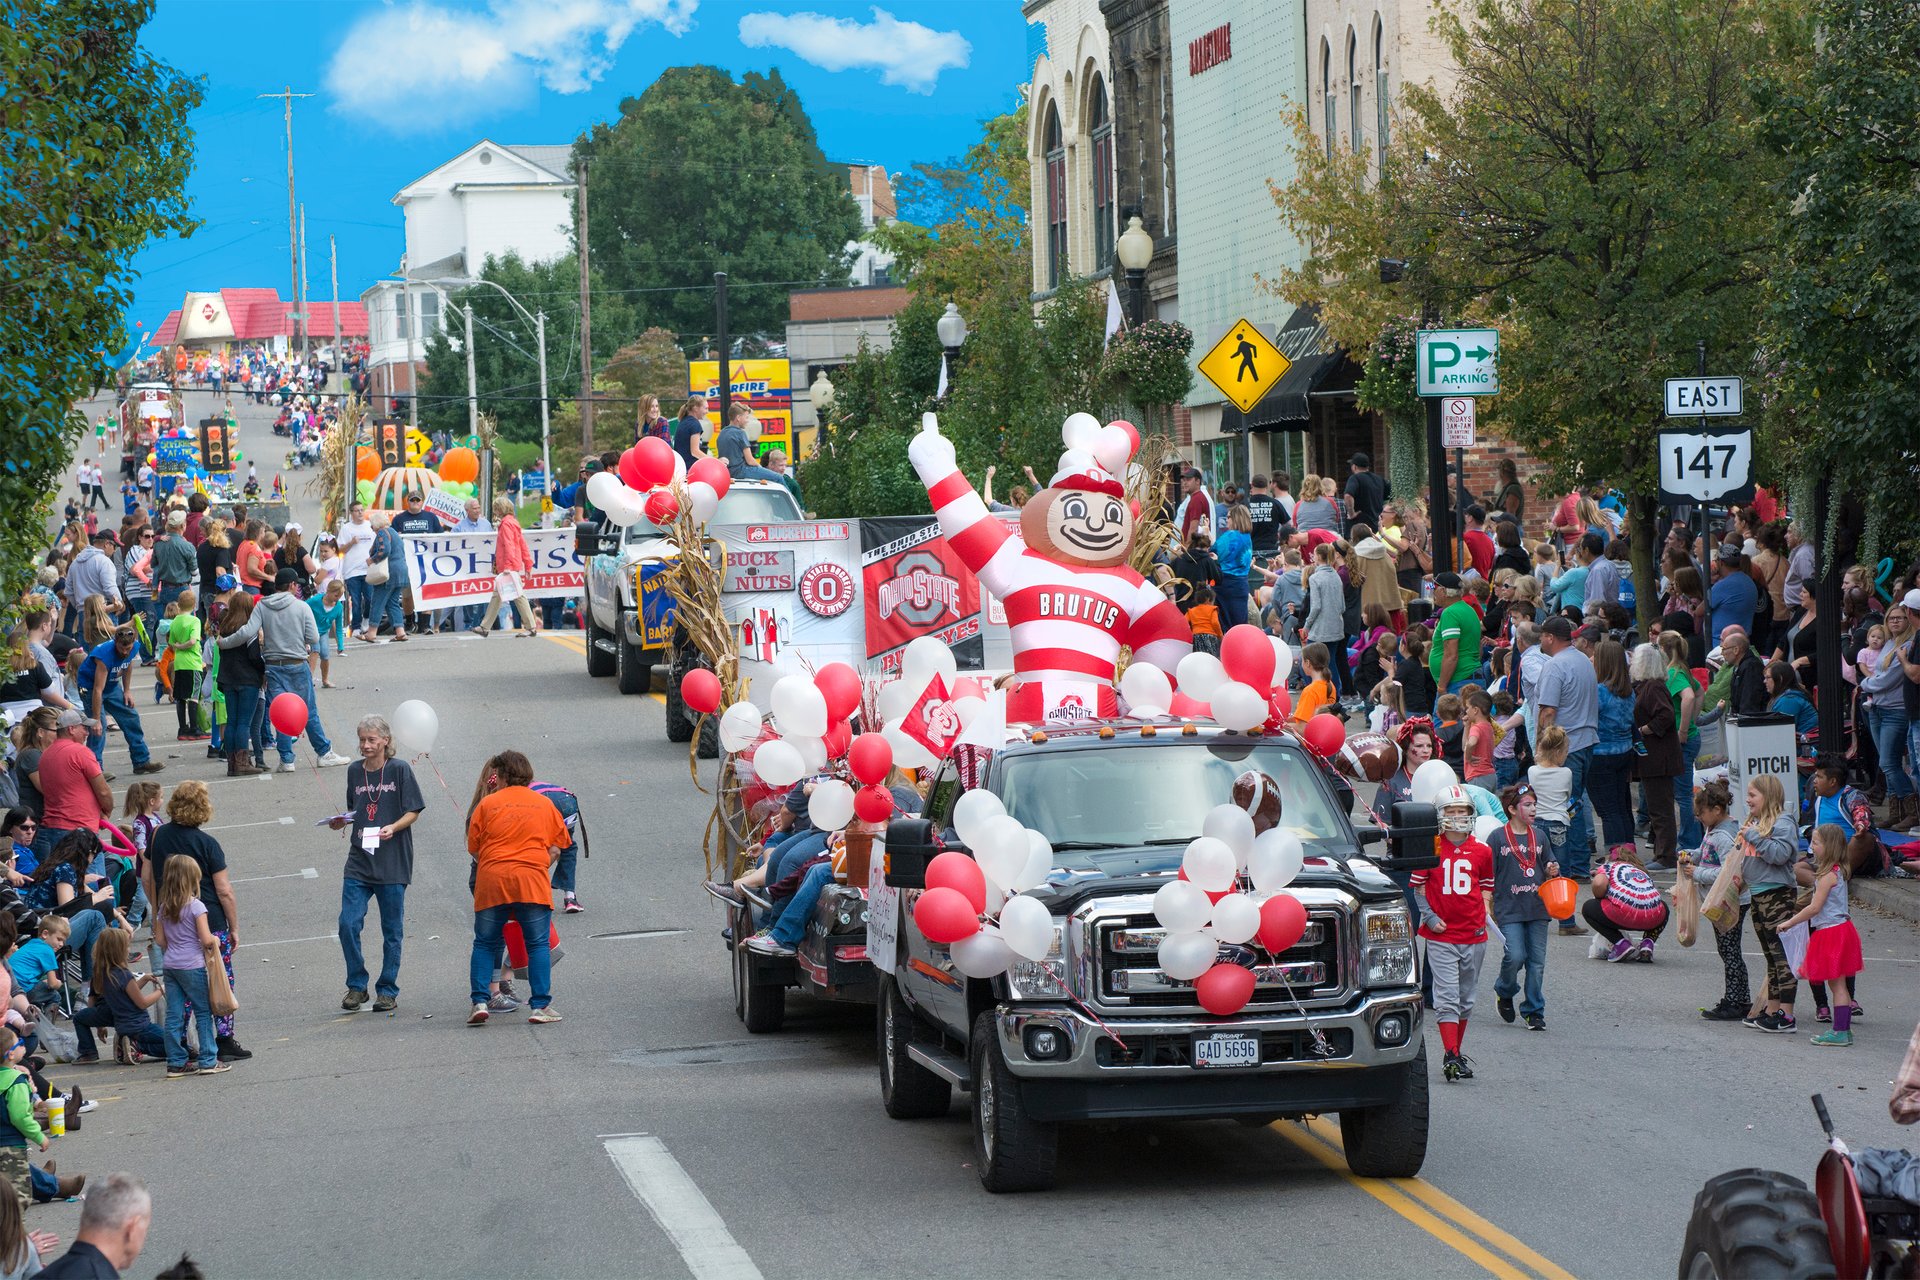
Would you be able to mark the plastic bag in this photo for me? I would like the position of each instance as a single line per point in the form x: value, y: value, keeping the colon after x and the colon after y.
x: 1722, y: 906
x: 1794, y: 942
x: 1686, y: 908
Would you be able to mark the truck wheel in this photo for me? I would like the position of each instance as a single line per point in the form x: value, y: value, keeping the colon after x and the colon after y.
x: 1012, y: 1151
x: 765, y: 1005
x: 631, y: 666
x: 599, y: 661
x: 679, y: 728
x: 908, y: 1090
x: 1390, y: 1141
x: 1757, y: 1225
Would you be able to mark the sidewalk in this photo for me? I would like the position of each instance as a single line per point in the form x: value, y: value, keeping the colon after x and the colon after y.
x: 1897, y: 898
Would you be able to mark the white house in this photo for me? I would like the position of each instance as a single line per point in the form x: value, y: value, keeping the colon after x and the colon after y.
x: 485, y: 202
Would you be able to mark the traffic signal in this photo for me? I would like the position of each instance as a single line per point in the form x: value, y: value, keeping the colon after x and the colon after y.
x: 214, y: 445
x: 390, y: 438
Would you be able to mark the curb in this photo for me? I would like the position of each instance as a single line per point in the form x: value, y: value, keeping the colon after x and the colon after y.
x: 1897, y: 898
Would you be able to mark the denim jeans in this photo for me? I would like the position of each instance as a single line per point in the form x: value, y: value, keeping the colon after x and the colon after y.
x: 563, y: 870
x: 242, y: 701
x: 1579, y: 830
x: 45, y: 1186
x: 114, y: 706
x: 149, y: 1039
x: 1525, y: 943
x: 792, y: 924
x: 85, y: 927
x: 1232, y: 596
x: 1506, y: 772
x: 187, y: 989
x: 296, y: 677
x: 387, y: 606
x: 354, y: 896
x: 1609, y: 786
x: 1889, y: 725
x: 489, y: 924
x: 359, y: 601
x: 1690, y: 833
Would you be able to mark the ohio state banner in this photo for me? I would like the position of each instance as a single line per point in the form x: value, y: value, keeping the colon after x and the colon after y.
x: 914, y: 585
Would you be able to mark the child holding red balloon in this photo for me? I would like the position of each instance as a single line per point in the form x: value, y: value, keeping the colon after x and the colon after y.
x: 1454, y: 899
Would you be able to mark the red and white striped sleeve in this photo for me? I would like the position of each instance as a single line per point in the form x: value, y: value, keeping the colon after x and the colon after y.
x: 970, y: 529
x: 1157, y: 631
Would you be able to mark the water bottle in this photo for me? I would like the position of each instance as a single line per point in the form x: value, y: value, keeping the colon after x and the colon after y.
x: 57, y: 1116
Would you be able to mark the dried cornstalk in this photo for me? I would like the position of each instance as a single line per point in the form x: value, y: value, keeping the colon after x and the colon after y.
x: 1153, y: 532
x: 693, y: 580
x: 335, y: 482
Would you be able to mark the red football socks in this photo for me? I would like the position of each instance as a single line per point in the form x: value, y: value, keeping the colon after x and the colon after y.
x: 1450, y: 1036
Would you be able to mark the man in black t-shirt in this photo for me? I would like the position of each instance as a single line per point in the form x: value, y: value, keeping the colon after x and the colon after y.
x: 417, y: 519
x: 1264, y: 510
x: 1366, y: 492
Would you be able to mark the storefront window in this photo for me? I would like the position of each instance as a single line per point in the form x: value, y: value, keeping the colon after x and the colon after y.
x: 1056, y: 162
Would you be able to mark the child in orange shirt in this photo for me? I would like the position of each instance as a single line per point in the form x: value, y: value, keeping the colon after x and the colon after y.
x: 1319, y: 692
x: 1480, y: 735
x: 1203, y: 619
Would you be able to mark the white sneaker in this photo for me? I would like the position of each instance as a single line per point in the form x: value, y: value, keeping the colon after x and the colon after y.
x: 332, y: 759
x: 288, y: 766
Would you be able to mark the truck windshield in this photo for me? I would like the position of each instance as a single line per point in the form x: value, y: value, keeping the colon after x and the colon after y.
x: 740, y: 506
x: 1122, y: 797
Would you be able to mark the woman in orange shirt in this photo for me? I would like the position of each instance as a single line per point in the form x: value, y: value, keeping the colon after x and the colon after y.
x: 254, y: 566
x: 515, y: 835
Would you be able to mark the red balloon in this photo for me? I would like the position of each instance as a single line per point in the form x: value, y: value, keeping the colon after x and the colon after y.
x: 1224, y: 989
x: 871, y: 758
x: 873, y: 803
x: 662, y: 507
x: 955, y: 870
x: 1324, y: 735
x: 630, y: 470
x: 837, y: 739
x: 839, y: 685
x: 711, y: 471
x: 1133, y: 435
x: 1248, y: 656
x: 700, y: 689
x: 1188, y: 707
x: 944, y: 915
x: 1211, y: 896
x: 288, y: 713
x: 1279, y: 707
x: 1282, y: 922
x: 653, y: 463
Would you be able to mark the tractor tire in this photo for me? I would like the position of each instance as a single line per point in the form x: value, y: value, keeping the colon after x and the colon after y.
x: 1756, y: 1224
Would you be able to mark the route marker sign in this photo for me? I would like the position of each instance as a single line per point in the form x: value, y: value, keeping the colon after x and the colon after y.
x: 1245, y: 365
x: 1703, y: 397
x: 1707, y: 464
x: 1457, y: 362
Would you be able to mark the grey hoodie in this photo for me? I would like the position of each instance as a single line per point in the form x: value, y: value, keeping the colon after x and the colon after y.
x: 92, y: 573
x: 285, y: 626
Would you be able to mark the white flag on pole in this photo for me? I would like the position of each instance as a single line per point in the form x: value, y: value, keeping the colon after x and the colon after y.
x: 1113, y: 310
x: 940, y: 393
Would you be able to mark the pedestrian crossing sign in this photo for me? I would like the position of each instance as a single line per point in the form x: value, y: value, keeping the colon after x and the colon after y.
x: 1245, y: 365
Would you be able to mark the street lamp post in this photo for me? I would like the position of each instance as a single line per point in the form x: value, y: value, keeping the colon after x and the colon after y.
x: 952, y: 328
x: 539, y: 323
x: 1135, y: 252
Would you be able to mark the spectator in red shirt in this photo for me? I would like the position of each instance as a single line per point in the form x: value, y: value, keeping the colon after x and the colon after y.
x: 1479, y: 542
x: 75, y: 791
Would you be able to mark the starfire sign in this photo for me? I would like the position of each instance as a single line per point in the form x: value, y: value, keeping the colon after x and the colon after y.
x: 1458, y: 362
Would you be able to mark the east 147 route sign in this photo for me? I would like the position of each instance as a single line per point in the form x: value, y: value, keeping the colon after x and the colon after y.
x: 1457, y: 362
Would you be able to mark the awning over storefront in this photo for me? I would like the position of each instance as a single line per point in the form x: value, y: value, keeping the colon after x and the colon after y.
x: 1318, y: 366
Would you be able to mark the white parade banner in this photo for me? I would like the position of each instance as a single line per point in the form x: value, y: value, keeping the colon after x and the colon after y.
x: 457, y: 568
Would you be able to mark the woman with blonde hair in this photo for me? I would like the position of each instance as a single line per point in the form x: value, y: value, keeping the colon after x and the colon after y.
x: 1772, y: 846
x: 512, y: 561
x: 97, y: 624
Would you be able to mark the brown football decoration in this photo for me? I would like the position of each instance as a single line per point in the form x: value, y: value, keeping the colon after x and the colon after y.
x: 1259, y: 795
x: 1367, y: 757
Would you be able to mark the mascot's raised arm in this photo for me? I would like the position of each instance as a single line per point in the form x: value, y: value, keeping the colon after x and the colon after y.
x: 1071, y: 599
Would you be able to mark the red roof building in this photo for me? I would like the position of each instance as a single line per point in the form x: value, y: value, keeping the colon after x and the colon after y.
x: 261, y: 315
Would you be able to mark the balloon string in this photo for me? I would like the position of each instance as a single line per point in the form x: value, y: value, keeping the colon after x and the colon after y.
x: 1077, y: 1002
x: 428, y: 757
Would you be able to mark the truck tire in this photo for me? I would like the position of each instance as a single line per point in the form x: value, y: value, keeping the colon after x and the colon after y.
x: 764, y: 1004
x: 1757, y: 1225
x: 908, y: 1090
x: 635, y: 672
x: 1012, y: 1151
x: 1390, y: 1141
x: 680, y: 724
x: 599, y: 661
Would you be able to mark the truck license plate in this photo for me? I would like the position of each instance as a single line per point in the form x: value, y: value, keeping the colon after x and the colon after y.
x: 1226, y: 1049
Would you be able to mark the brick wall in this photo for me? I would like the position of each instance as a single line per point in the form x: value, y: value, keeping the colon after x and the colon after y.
x: 1483, y: 479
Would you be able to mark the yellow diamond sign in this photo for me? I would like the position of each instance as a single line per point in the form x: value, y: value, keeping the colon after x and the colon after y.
x: 1244, y: 365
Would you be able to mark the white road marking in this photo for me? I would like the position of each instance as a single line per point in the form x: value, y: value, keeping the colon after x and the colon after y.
x: 306, y: 873
x: 680, y: 1207
x: 281, y: 942
x: 286, y: 821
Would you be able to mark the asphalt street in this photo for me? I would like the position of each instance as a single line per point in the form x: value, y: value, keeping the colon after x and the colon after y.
x: 649, y: 1134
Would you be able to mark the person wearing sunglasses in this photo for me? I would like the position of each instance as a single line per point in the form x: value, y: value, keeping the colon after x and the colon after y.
x: 20, y: 828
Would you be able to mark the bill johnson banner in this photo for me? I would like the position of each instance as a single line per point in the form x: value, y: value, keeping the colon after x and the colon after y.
x: 457, y: 568
x: 915, y: 585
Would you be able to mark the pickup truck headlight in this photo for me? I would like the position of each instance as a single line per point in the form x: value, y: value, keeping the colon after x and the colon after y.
x: 1040, y: 979
x: 1387, y: 946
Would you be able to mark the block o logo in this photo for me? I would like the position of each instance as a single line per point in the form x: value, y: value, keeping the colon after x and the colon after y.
x: 826, y: 589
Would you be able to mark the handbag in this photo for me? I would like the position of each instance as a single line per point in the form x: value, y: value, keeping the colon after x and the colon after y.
x: 378, y: 571
x: 220, y: 991
x: 1686, y: 909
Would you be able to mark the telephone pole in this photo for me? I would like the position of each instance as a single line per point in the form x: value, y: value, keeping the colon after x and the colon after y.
x: 287, y: 95
x: 586, y: 313
x: 339, y: 339
x: 306, y: 322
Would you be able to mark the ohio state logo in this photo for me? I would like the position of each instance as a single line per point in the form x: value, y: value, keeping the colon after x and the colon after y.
x: 826, y: 589
x: 1068, y: 709
x: 920, y: 591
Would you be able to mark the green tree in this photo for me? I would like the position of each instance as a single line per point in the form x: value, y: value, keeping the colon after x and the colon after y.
x: 1594, y: 186
x: 506, y: 371
x: 962, y: 234
x: 702, y: 174
x: 95, y: 166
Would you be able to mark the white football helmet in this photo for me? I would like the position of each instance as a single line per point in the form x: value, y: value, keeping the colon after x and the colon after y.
x: 1456, y: 808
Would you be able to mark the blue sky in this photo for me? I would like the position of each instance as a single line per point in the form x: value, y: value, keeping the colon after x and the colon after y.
x: 404, y: 86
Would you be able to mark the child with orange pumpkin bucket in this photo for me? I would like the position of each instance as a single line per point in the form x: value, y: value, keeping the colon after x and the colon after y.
x: 1522, y: 862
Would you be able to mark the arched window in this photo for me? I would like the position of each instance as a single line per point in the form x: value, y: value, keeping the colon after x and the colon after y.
x: 1101, y: 129
x: 1382, y: 99
x: 1056, y: 162
x: 1353, y: 93
x: 1330, y: 104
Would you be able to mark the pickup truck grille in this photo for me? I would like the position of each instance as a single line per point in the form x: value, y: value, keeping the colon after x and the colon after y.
x: 1129, y: 975
x: 1177, y: 1050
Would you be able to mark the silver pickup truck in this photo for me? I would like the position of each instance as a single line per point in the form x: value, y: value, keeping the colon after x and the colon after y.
x: 1096, y: 1031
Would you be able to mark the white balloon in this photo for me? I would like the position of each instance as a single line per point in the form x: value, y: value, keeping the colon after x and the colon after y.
x: 788, y: 662
x: 1276, y: 859
x: 739, y: 726
x: 813, y: 751
x: 925, y: 658
x: 415, y: 727
x: 967, y: 708
x: 1485, y: 825
x: 1079, y: 431
x: 972, y: 812
x: 1282, y: 661
x: 1076, y: 461
x: 1185, y: 956
x: 1210, y: 864
x: 1236, y: 918
x: 605, y: 490
x: 830, y: 807
x: 1003, y: 849
x: 1238, y: 706
x: 1039, y: 863
x: 778, y: 763
x: 1231, y: 825
x: 1112, y: 448
x: 1027, y: 927
x: 679, y: 466
x: 703, y: 500
x: 799, y: 710
x: 1181, y: 906
x: 995, y: 896
x: 624, y: 508
x: 908, y: 753
x: 1429, y: 779
x: 1199, y: 675
x: 982, y: 955
x: 898, y: 697
x: 1146, y: 688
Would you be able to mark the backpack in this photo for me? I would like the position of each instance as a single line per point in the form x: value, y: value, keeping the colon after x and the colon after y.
x: 569, y: 806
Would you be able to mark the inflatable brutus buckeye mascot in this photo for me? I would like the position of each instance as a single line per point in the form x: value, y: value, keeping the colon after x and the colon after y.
x: 1071, y: 599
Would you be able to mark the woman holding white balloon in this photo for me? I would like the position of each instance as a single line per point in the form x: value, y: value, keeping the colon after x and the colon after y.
x: 511, y: 560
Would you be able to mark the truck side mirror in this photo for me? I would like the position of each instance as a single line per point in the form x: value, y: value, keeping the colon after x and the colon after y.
x: 590, y: 539
x: 1411, y: 833
x: 910, y: 846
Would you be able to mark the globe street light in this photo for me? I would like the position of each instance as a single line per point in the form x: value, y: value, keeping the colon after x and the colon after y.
x: 1135, y: 251
x: 821, y: 393
x: 952, y: 329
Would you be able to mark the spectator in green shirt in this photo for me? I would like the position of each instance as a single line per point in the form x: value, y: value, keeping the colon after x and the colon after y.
x: 1454, y: 658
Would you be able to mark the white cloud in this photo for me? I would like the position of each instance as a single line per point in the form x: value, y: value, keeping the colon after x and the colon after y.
x: 420, y: 65
x: 905, y: 53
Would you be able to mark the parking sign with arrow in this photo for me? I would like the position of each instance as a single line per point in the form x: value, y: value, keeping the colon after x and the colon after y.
x: 1458, y: 362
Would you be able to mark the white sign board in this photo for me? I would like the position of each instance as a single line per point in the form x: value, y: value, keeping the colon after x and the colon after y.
x: 883, y: 913
x: 1458, y: 362
x: 1456, y: 422
x: 457, y: 568
x: 1710, y: 465
x: 1703, y: 397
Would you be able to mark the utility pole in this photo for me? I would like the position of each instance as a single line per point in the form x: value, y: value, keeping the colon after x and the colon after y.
x: 586, y: 312
x: 725, y: 343
x: 473, y: 395
x: 339, y: 339
x: 413, y: 367
x: 287, y: 95
x: 306, y: 322
x: 546, y: 447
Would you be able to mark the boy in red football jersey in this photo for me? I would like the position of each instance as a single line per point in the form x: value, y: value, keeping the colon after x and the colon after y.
x: 1455, y: 898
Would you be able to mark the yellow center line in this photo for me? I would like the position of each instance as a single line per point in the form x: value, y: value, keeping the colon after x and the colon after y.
x: 578, y: 644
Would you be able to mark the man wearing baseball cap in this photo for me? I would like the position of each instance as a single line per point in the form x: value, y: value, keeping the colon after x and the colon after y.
x: 1455, y: 655
x: 1568, y: 695
x: 74, y: 792
x: 92, y: 573
x: 104, y: 677
x: 287, y: 633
